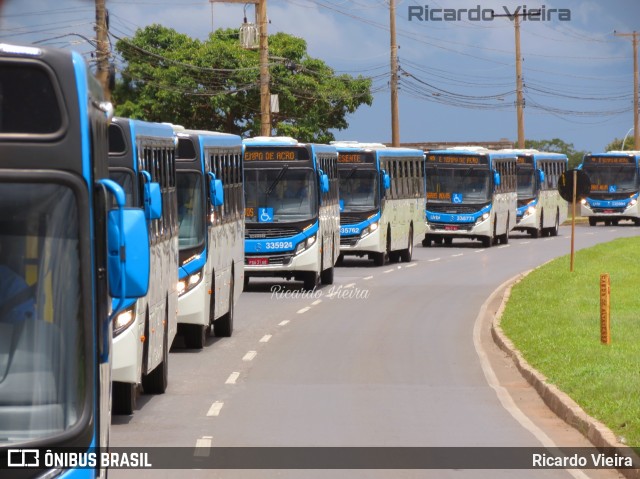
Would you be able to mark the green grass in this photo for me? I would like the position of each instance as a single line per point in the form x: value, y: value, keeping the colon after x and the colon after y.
x: 553, y: 318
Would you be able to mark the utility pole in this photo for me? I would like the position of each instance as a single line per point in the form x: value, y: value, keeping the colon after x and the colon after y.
x: 395, y: 120
x: 102, y: 48
x: 519, y: 83
x: 265, y: 93
x: 519, y: 94
x: 636, y: 131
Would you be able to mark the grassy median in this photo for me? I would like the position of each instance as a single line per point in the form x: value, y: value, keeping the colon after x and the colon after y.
x: 553, y: 318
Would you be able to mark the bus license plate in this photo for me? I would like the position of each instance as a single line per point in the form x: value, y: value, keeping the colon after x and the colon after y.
x: 451, y: 228
x: 258, y: 261
x: 607, y: 211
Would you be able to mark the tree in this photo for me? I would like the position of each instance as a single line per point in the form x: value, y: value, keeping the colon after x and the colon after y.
x: 214, y: 84
x: 616, y: 144
x: 556, y: 145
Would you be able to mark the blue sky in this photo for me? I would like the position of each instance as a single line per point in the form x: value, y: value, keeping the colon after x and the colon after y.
x: 457, y: 78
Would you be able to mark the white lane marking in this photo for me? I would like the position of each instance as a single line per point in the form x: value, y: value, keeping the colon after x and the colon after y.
x: 388, y: 271
x: 233, y: 377
x: 350, y: 285
x: 457, y: 255
x: 525, y: 242
x: 250, y: 355
x: 503, y: 394
x: 265, y: 338
x: 367, y: 278
x: 411, y: 265
x: 434, y: 259
x: 203, y: 446
x: 215, y: 408
x: 304, y: 310
x: 282, y: 323
x: 479, y: 251
x: 399, y: 267
x: 503, y: 246
x: 316, y: 302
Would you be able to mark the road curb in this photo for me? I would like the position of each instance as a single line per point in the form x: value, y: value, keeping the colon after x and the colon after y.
x: 559, y: 402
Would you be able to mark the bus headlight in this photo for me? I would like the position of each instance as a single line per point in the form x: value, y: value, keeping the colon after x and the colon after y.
x: 188, y: 283
x: 369, y: 229
x: 484, y: 217
x: 633, y: 202
x: 124, y: 320
x: 305, y: 244
x: 584, y: 203
x: 529, y: 211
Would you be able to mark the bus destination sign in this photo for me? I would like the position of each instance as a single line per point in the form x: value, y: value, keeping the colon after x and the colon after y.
x: 609, y: 160
x: 457, y: 159
x: 276, y: 154
x: 355, y: 157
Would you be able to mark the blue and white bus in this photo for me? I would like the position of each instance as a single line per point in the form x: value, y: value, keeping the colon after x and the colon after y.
x: 292, y: 217
x: 541, y: 209
x: 142, y: 162
x: 382, y: 200
x: 471, y: 193
x: 211, y: 239
x: 614, y: 187
x: 64, y: 255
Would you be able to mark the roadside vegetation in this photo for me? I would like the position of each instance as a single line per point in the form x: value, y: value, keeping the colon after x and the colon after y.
x: 553, y: 318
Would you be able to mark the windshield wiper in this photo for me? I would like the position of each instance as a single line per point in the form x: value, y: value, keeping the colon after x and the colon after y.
x: 277, y: 180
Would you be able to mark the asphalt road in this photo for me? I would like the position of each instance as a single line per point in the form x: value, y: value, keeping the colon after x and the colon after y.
x: 384, y: 357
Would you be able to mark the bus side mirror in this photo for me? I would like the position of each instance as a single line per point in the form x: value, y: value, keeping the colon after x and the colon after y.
x: 216, y: 190
x: 496, y: 178
x: 386, y: 180
x: 127, y: 248
x: 152, y: 198
x: 324, y: 183
x: 128, y: 253
x: 541, y: 176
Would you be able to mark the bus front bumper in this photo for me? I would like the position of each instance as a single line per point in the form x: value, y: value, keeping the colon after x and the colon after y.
x: 283, y: 264
x: 355, y: 245
x: 193, y: 305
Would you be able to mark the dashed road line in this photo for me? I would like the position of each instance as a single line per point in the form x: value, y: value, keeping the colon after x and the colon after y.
x: 304, y: 310
x: 265, y: 338
x: 457, y: 255
x: 388, y: 271
x: 283, y: 323
x: 411, y: 265
x: 350, y: 285
x: 233, y: 377
x: 214, y: 410
x: 367, y: 278
x: 504, y: 246
x: 434, y: 259
x: 316, y: 302
x: 250, y: 355
x: 203, y: 446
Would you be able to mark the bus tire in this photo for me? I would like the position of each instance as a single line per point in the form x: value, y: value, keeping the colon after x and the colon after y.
x: 504, y: 239
x: 379, y: 258
x: 340, y: 260
x: 486, y: 241
x: 123, y: 398
x: 426, y: 242
x: 556, y: 227
x: 195, y: 335
x: 246, y: 282
x: 407, y: 254
x: 310, y: 280
x: 592, y: 221
x: 327, y: 276
x: 448, y: 241
x: 223, y: 326
x: 156, y: 381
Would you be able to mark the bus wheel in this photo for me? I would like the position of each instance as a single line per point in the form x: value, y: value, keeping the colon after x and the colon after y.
x: 426, y: 241
x: 486, y: 241
x: 310, y: 280
x: 157, y: 380
x: 195, y: 336
x: 379, y: 259
x: 327, y: 276
x: 340, y: 260
x: 556, y: 227
x: 124, y: 398
x: 592, y: 221
x: 407, y: 254
x: 448, y: 241
x: 246, y: 282
x: 607, y: 222
x: 504, y: 239
x: 223, y: 326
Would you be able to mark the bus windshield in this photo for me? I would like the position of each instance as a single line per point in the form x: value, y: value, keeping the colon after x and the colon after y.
x: 526, y: 183
x: 359, y: 190
x: 280, y: 195
x: 42, y: 335
x: 612, y: 179
x: 190, y: 210
x: 459, y: 185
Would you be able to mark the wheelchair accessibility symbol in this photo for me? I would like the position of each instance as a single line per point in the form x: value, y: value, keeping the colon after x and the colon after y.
x: 265, y: 215
x: 613, y: 188
x: 456, y: 198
